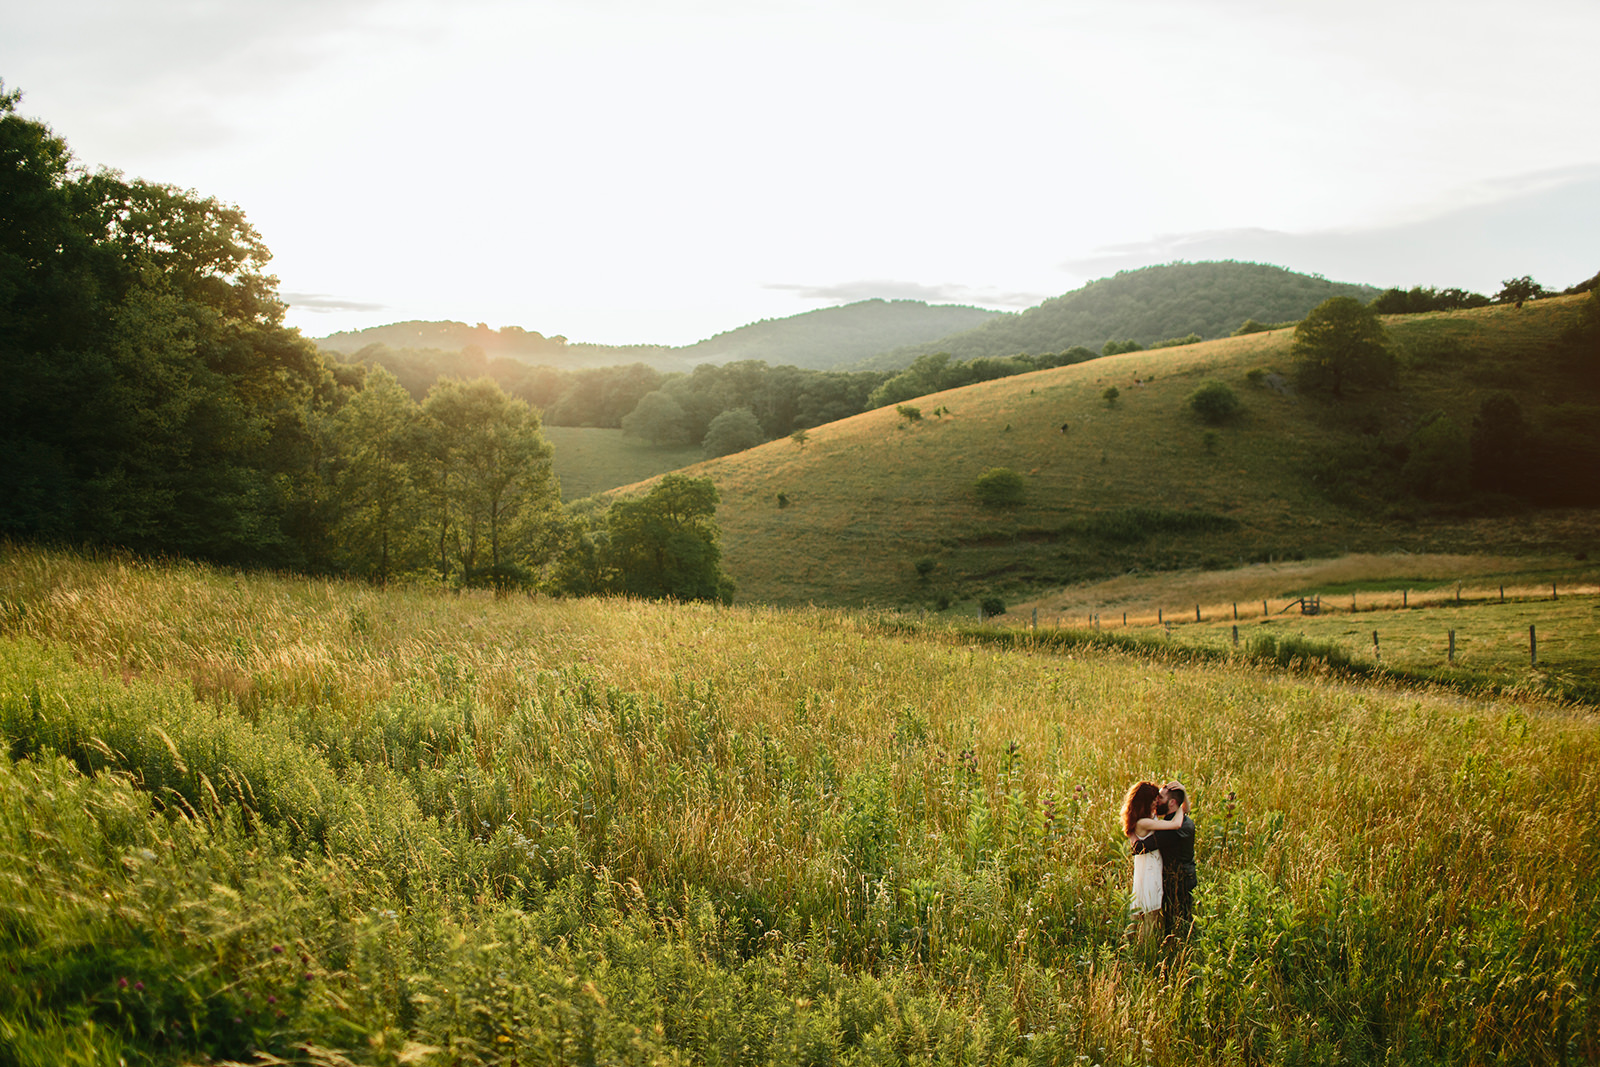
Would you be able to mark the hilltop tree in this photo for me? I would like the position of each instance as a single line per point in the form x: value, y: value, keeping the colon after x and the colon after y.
x: 1516, y: 290
x: 1341, y: 345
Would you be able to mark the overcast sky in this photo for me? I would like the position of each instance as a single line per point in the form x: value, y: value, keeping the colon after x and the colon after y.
x: 630, y: 172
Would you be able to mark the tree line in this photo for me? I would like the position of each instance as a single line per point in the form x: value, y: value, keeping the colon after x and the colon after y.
x: 155, y: 401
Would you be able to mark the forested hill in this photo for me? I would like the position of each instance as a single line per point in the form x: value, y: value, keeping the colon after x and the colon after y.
x: 833, y: 337
x: 510, y: 342
x: 816, y: 340
x: 1148, y: 305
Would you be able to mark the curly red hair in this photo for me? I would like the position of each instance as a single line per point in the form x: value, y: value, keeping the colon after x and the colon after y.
x: 1139, y: 804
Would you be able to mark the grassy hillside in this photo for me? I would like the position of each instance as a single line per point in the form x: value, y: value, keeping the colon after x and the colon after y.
x: 1138, y: 484
x: 258, y: 819
x: 819, y: 340
x: 1148, y: 305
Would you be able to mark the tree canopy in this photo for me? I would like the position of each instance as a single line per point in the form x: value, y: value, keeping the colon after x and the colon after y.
x: 1341, y: 345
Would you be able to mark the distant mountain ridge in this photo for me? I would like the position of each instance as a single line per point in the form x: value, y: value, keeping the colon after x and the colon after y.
x: 1147, y: 305
x: 817, y: 340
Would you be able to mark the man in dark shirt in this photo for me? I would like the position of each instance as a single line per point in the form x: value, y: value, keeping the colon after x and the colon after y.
x: 1178, y: 874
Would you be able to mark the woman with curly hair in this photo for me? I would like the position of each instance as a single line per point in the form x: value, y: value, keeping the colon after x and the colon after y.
x: 1138, y: 823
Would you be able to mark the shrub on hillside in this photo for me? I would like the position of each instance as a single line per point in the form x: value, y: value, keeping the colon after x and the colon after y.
x: 1000, y: 487
x: 1214, y: 403
x: 991, y: 606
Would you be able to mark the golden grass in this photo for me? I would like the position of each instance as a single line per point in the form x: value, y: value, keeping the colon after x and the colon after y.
x: 738, y: 751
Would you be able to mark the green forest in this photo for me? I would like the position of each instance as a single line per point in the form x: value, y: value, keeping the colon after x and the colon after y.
x: 1147, y: 306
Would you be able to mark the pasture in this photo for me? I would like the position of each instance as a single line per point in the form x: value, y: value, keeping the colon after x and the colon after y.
x: 591, y: 460
x: 267, y: 820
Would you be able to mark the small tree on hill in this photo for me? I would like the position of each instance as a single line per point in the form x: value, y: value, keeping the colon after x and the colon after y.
x: 1342, y: 345
x: 1110, y: 395
x: 909, y: 413
x: 1000, y: 487
x: 1214, y: 403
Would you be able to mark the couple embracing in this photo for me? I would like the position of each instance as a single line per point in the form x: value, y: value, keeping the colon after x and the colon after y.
x: 1156, y: 820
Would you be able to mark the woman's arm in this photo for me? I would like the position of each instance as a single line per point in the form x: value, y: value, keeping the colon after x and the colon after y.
x: 1171, y: 822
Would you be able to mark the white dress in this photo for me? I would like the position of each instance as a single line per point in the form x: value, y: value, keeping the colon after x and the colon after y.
x: 1146, y: 882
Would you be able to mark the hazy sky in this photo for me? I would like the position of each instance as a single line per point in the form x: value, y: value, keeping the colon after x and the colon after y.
x: 622, y: 171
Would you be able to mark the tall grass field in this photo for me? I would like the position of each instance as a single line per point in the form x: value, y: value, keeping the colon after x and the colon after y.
x: 248, y: 819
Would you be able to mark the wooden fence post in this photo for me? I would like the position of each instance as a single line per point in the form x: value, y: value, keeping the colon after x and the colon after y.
x: 1376, y: 654
x: 1197, y: 613
x: 1452, y: 646
x: 1502, y: 594
x: 1405, y: 595
x: 1160, y: 621
x: 1235, y: 611
x: 1553, y: 595
x: 1235, y: 636
x: 1035, y: 620
x: 1124, y: 618
x: 1533, y: 646
x: 1263, y: 609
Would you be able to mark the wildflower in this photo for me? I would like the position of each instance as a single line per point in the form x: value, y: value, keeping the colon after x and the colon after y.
x: 138, y: 987
x: 272, y: 1000
x: 277, y: 950
x: 122, y: 983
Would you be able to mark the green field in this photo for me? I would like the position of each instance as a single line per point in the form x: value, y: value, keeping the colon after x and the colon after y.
x: 273, y: 820
x: 590, y: 461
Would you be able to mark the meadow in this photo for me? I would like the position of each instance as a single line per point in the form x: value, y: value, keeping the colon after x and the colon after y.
x: 264, y: 819
x: 590, y: 460
x: 1414, y: 604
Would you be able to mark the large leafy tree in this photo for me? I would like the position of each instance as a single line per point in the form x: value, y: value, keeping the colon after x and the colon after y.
x: 665, y: 543
x: 1341, y: 345
x: 378, y: 439
x: 493, y: 497
x: 153, y: 397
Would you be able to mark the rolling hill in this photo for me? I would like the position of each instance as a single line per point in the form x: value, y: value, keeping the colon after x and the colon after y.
x: 1148, y: 305
x: 1138, y: 483
x: 818, y: 340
